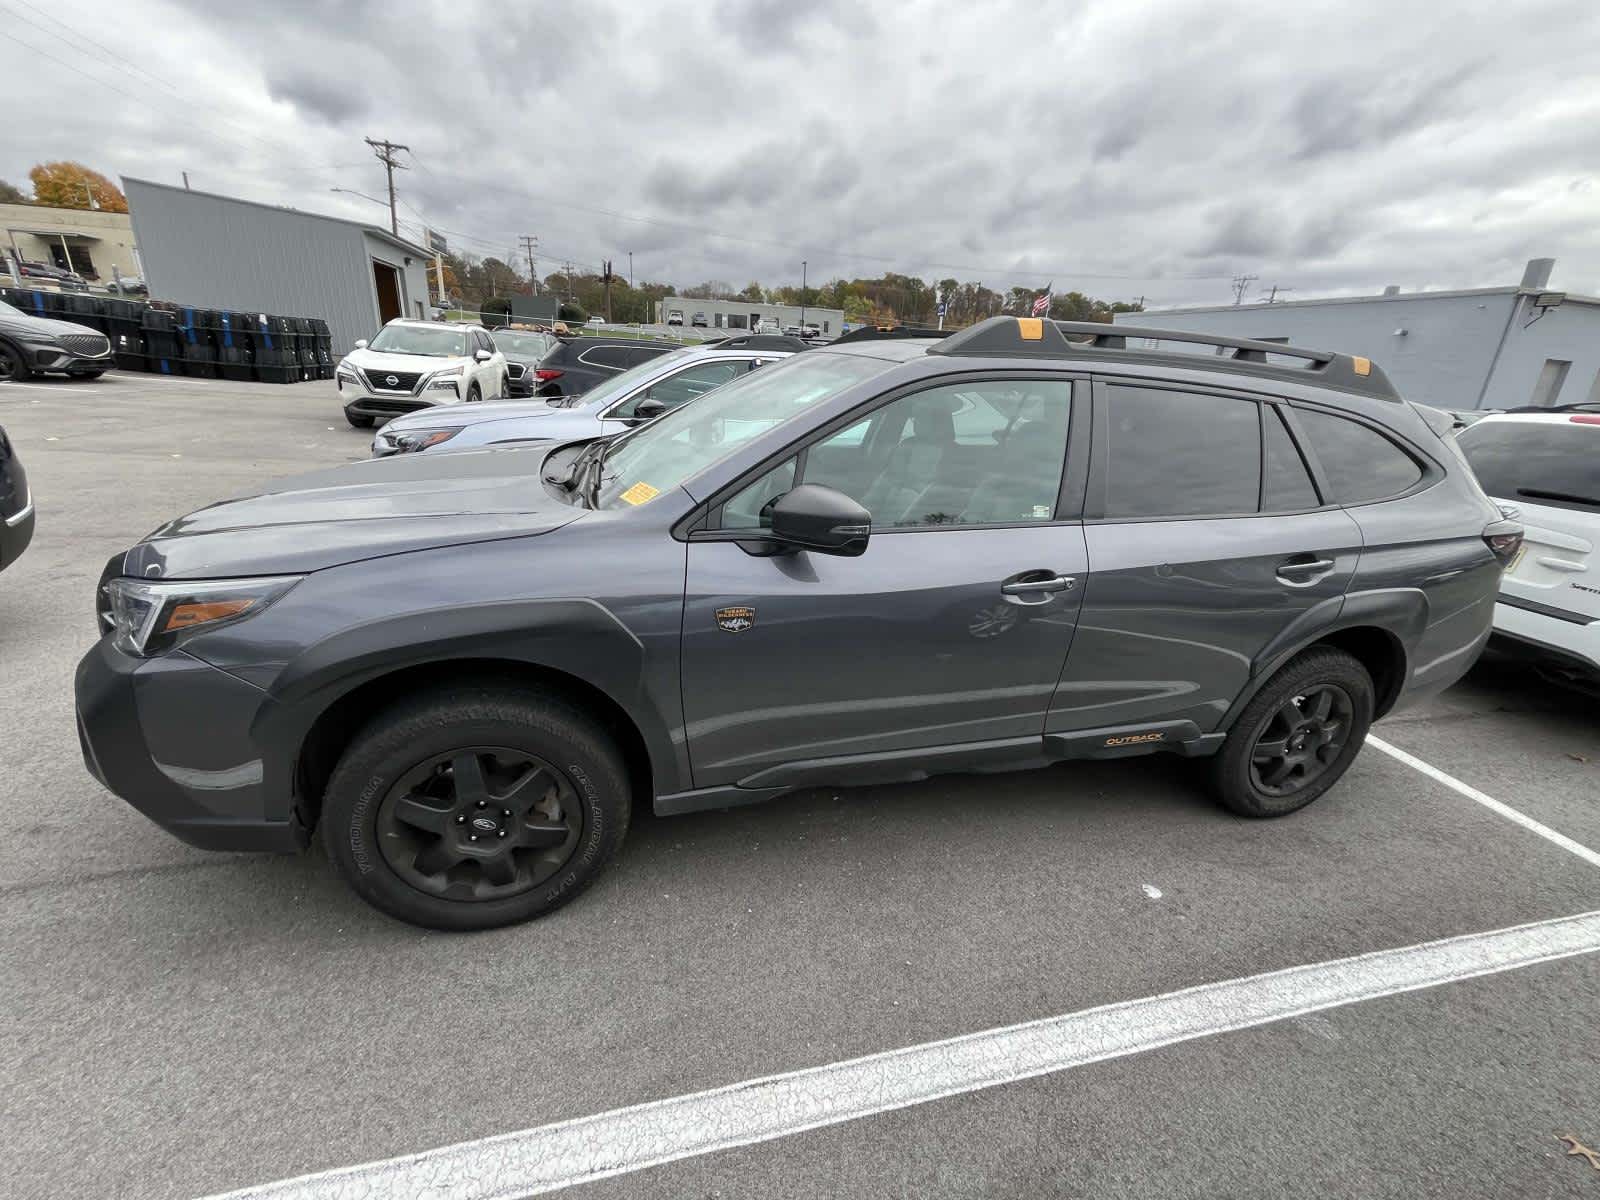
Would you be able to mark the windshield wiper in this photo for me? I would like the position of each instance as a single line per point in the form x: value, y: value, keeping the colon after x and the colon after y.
x: 1569, y: 497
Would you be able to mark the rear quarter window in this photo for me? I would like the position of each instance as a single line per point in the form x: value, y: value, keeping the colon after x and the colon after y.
x: 612, y: 358
x: 1361, y: 464
x: 1542, y: 462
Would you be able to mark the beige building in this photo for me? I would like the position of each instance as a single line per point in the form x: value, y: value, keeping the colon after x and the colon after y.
x: 94, y: 244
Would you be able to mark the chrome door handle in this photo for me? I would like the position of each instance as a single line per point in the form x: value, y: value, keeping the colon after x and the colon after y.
x: 1030, y: 584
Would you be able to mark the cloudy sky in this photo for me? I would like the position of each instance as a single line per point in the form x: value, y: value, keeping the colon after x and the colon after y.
x: 1121, y: 147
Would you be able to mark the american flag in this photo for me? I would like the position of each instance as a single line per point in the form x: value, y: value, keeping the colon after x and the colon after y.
x: 1041, y: 305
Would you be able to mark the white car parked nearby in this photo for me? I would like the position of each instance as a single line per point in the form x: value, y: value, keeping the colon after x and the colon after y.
x: 1547, y: 466
x: 418, y: 364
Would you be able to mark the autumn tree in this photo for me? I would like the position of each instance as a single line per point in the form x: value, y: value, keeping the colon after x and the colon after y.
x: 71, y: 185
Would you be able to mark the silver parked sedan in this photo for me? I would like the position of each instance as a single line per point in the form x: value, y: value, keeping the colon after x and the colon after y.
x: 631, y: 398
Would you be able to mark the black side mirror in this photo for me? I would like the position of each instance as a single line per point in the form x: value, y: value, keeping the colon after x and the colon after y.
x: 649, y: 409
x: 813, y: 517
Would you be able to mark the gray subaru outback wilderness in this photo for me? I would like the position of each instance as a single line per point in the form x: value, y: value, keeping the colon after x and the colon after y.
x: 892, y: 557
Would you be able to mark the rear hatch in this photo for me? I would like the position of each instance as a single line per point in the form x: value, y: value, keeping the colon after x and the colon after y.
x: 1548, y: 468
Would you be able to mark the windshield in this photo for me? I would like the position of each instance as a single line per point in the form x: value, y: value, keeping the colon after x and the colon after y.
x: 527, y: 345
x: 1545, y: 462
x: 435, y: 340
x: 682, y: 443
x: 621, y: 385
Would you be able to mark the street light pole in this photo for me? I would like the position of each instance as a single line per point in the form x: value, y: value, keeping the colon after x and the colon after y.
x: 802, y: 297
x: 630, y: 270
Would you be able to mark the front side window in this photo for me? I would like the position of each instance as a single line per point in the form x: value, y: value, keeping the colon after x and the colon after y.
x: 1361, y: 464
x: 620, y: 385
x: 1180, y: 454
x: 654, y: 458
x: 969, y: 454
x: 433, y: 341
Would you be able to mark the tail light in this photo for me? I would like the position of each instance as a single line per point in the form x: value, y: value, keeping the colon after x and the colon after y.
x: 545, y: 374
x: 1504, y: 539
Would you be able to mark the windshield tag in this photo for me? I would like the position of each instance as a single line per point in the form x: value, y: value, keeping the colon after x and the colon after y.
x: 640, y: 493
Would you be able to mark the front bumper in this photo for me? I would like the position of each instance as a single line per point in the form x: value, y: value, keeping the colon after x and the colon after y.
x: 45, y: 356
x: 363, y: 401
x: 1574, y: 642
x: 171, y: 736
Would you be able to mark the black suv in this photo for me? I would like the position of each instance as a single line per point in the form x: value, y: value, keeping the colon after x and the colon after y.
x: 580, y: 363
x: 1027, y: 542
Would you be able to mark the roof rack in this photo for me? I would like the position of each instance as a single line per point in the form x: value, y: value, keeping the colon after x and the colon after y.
x: 878, y: 333
x: 1036, y: 337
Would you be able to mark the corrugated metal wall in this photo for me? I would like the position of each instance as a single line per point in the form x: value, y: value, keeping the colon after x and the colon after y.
x: 217, y: 252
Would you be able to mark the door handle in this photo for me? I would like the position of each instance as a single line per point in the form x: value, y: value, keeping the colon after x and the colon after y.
x: 1300, y: 571
x: 1035, y: 583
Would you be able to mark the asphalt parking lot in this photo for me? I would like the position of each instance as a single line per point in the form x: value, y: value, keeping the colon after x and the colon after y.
x: 180, y: 1024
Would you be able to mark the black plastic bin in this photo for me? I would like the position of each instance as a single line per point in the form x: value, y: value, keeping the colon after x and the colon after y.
x: 83, y: 309
x: 161, y: 338
x: 235, y: 345
x: 196, y: 341
x: 124, y: 327
x: 306, y: 346
x: 36, y: 302
x: 277, y: 352
x: 324, y: 340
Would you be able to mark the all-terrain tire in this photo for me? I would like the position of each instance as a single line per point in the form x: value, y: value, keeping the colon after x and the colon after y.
x: 474, y: 394
x: 357, y: 808
x: 1322, y: 670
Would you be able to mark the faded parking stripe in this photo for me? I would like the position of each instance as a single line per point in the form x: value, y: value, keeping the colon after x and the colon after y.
x: 552, y: 1157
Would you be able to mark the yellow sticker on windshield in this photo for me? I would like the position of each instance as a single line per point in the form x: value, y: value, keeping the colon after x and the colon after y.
x: 640, y: 493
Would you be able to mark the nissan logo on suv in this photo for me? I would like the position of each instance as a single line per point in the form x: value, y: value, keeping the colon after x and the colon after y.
x: 392, y: 380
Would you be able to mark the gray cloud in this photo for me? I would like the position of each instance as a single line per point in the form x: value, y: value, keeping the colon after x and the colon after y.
x: 1130, y: 147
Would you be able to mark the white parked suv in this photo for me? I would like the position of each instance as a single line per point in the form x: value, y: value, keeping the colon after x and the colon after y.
x: 1547, y: 466
x: 418, y: 364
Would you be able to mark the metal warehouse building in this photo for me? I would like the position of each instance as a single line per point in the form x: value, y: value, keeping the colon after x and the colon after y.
x: 743, y: 314
x: 1484, y: 348
x: 218, y: 252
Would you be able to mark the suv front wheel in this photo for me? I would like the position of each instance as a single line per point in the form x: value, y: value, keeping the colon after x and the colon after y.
x: 1297, y: 737
x: 476, y: 807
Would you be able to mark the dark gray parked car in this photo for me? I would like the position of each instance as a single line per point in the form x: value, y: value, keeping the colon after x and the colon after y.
x: 32, y: 345
x: 872, y: 562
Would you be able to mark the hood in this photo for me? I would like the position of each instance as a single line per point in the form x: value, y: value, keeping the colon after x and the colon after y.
x: 31, y: 326
x: 376, y: 360
x: 362, y: 510
x: 457, y: 415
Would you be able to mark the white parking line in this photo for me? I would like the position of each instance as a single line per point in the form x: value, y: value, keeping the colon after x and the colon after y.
x: 552, y: 1157
x: 1489, y: 802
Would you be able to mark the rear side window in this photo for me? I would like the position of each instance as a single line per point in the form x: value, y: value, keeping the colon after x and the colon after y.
x: 1360, y: 463
x: 613, y: 358
x: 1287, y: 486
x: 1542, y: 462
x: 1180, y: 454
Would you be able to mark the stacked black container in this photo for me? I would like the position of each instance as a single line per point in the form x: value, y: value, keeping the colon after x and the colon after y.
x: 306, y: 344
x: 277, y: 350
x: 324, y: 340
x: 161, y: 339
x: 197, y: 347
x: 122, y: 318
x: 236, y: 355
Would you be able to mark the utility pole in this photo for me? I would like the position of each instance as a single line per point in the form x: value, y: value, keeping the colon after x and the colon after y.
x: 1241, y: 284
x: 630, y: 270
x: 802, y: 296
x: 530, y: 247
x: 608, y: 290
x: 1273, y: 295
x: 385, y: 151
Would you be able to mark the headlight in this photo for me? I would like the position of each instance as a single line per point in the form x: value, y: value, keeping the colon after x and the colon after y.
x: 445, y: 379
x: 344, y: 372
x: 410, y: 442
x: 149, y: 617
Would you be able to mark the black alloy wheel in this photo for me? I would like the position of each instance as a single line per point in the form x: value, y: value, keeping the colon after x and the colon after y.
x: 479, y: 823
x: 1302, y: 740
x: 12, y: 368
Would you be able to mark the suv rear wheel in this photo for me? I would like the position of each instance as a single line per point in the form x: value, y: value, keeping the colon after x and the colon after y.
x: 1297, y: 737
x: 475, y: 807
